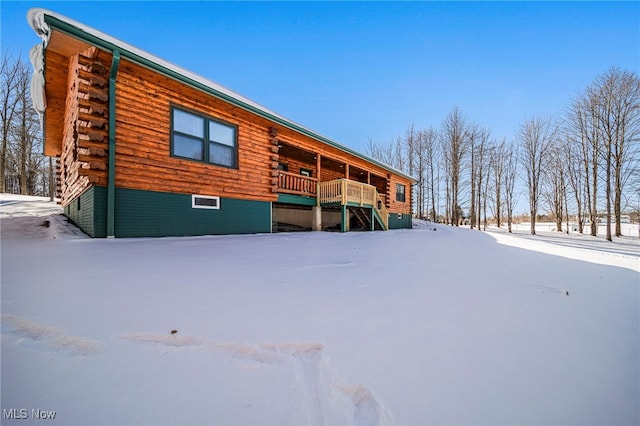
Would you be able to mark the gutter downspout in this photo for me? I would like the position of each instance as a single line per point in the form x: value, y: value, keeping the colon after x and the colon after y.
x: 111, y: 182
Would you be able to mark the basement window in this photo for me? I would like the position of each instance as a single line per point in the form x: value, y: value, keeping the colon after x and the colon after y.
x: 200, y: 138
x: 205, y: 202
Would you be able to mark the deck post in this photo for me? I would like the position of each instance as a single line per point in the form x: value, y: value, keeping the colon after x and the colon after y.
x: 345, y: 219
x: 373, y: 218
x: 316, y: 218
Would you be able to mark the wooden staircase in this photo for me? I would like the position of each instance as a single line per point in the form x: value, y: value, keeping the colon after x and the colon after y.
x: 363, y: 217
x: 359, y: 197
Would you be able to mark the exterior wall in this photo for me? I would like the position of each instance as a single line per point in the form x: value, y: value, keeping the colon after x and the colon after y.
x: 158, y: 214
x: 143, y: 151
x: 153, y: 188
x: 88, y: 211
x: 329, y: 174
x: 395, y: 206
x: 400, y: 221
x: 295, y: 165
x: 83, y: 147
x: 143, y: 141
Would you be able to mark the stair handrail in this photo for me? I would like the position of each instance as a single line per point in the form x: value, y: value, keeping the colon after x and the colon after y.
x: 381, y: 209
x: 336, y: 191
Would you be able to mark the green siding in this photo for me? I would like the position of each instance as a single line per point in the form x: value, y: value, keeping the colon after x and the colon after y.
x: 296, y: 199
x: 159, y: 214
x: 88, y: 211
x: 402, y: 222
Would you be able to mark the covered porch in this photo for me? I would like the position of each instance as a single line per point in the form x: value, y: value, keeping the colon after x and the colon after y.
x: 332, y: 193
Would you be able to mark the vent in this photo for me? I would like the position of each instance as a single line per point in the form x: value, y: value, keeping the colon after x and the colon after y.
x: 205, y: 202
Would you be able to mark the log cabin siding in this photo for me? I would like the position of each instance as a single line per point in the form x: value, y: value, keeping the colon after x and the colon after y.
x: 143, y: 151
x: 294, y: 165
x: 393, y: 205
x: 82, y: 161
x: 143, y: 140
x: 71, y: 183
x: 330, y: 174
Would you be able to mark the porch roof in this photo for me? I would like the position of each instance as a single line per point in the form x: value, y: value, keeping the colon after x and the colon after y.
x: 44, y: 22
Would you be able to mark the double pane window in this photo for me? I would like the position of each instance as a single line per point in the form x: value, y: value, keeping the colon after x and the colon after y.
x: 203, y: 139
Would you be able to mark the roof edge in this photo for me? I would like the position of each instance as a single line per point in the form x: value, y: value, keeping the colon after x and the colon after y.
x: 42, y: 20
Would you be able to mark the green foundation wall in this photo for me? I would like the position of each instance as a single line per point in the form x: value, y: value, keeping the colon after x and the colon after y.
x: 161, y: 214
x: 89, y: 211
x: 402, y: 222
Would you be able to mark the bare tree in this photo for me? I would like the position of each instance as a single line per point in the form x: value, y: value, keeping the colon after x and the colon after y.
x: 431, y: 156
x: 554, y: 186
x: 509, y: 183
x: 9, y: 75
x: 454, y: 149
x: 25, y: 133
x: 486, y: 187
x: 473, y: 161
x: 409, y: 150
x: 481, y: 140
x: 618, y: 118
x: 575, y: 174
x: 582, y: 117
x: 384, y: 152
x: 421, y: 170
x: 535, y: 139
x: 498, y: 157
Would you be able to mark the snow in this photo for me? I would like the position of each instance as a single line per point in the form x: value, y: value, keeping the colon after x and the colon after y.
x: 624, y: 253
x: 407, y: 327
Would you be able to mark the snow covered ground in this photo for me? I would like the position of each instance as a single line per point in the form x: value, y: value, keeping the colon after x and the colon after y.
x: 403, y: 327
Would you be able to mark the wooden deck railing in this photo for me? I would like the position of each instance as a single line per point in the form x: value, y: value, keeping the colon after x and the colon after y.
x: 340, y: 191
x: 292, y: 183
x: 345, y: 191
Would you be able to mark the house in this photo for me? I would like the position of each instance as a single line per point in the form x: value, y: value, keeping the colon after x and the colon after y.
x: 145, y: 148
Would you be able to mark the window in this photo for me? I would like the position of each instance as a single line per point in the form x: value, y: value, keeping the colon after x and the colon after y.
x: 283, y: 166
x: 202, y: 139
x: 400, y: 192
x: 205, y: 202
x: 306, y: 172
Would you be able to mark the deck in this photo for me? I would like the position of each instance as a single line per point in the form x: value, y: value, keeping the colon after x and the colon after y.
x: 339, y: 192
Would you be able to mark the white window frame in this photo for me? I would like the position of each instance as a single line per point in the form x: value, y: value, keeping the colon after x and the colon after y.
x: 207, y: 197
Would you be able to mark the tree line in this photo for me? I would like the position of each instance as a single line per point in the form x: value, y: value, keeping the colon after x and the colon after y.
x: 23, y: 167
x: 582, y: 166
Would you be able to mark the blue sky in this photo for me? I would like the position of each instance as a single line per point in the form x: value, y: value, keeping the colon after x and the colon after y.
x: 355, y: 71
